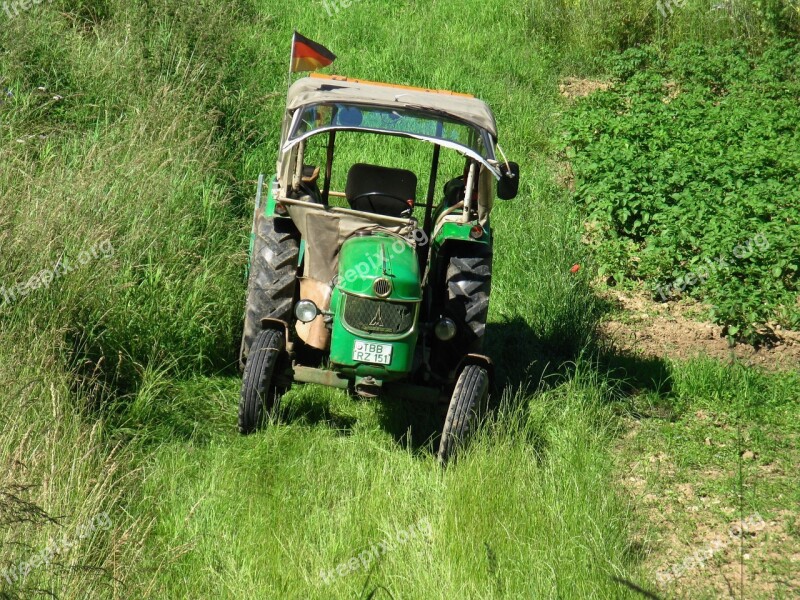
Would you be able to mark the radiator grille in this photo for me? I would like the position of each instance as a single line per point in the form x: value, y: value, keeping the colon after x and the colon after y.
x: 378, y: 316
x: 382, y: 287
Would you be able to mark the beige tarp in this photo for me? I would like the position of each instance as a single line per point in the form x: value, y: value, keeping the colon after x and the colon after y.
x: 317, y: 90
x: 325, y: 230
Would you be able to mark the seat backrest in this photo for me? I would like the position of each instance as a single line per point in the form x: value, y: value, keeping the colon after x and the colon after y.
x: 381, y: 190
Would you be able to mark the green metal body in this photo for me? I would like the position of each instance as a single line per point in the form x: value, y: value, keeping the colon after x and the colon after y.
x: 269, y: 211
x: 456, y: 232
x: 268, y: 208
x: 453, y: 233
x: 269, y: 205
x: 362, y: 261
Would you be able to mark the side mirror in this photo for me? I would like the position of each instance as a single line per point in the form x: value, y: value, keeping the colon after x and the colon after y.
x: 508, y: 186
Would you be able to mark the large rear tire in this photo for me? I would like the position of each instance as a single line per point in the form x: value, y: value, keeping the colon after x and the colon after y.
x: 273, y: 277
x: 260, y: 396
x: 469, y: 397
x: 467, y: 286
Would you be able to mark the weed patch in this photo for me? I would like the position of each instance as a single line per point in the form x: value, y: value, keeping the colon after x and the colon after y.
x: 688, y: 157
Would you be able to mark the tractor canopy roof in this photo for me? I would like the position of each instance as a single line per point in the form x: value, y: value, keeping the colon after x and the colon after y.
x: 461, y: 122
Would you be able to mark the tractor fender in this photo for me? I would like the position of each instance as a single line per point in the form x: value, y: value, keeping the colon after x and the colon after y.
x: 480, y: 360
x: 449, y: 232
x: 270, y: 323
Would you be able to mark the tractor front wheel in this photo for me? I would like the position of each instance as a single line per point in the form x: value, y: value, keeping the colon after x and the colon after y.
x: 469, y: 396
x: 260, y: 396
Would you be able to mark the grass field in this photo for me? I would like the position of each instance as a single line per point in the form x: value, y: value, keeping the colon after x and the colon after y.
x: 132, y: 133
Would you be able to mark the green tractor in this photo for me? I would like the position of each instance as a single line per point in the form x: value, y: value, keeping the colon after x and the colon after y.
x: 368, y: 289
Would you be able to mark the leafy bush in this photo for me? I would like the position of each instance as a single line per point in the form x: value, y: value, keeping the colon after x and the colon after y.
x: 689, y: 167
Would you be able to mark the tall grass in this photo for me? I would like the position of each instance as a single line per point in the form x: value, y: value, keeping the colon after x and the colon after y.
x: 576, y: 33
x: 60, y: 475
x: 524, y: 513
x: 110, y: 138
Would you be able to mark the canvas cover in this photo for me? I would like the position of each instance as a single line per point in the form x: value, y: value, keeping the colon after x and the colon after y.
x: 318, y: 90
x: 325, y: 230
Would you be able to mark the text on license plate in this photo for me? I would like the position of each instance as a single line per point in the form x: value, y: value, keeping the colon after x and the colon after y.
x: 372, y: 352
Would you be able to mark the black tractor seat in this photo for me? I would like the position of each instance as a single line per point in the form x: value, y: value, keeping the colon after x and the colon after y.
x: 381, y: 190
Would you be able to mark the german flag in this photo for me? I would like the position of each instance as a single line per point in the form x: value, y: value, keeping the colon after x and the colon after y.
x: 308, y: 55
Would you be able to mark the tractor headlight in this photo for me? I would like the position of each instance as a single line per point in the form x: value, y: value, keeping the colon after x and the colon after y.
x: 306, y: 311
x: 445, y: 330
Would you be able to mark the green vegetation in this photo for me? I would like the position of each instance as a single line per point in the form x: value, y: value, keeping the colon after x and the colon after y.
x: 271, y: 512
x: 140, y: 127
x: 689, y: 167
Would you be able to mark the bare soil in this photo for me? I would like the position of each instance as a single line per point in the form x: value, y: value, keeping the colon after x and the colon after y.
x: 736, y: 556
x: 670, y: 330
x: 574, y: 87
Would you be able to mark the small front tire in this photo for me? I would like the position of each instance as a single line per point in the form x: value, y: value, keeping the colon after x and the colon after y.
x: 469, y: 396
x: 260, y: 396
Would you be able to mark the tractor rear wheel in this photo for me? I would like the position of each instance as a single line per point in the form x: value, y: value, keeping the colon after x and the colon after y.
x: 469, y: 397
x: 273, y: 277
x: 260, y: 396
x: 467, y: 283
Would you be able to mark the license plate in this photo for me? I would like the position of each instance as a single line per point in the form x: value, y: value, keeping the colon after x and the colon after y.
x: 372, y: 352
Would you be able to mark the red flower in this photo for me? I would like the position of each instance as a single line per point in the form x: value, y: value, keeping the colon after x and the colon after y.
x: 575, y: 269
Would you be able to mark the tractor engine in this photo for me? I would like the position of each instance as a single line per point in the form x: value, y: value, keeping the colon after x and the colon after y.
x: 376, y: 303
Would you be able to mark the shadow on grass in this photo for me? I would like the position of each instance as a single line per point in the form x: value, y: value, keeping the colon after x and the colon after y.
x: 633, y: 375
x: 522, y: 360
x: 643, y: 384
x: 313, y: 410
x: 414, y: 424
x: 530, y: 363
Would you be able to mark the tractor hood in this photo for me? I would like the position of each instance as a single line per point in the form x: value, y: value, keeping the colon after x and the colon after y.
x: 369, y: 257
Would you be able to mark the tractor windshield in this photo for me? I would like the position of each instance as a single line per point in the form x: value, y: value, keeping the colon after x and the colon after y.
x: 424, y: 124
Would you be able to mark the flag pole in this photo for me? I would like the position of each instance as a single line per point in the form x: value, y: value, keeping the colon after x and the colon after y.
x: 291, y: 64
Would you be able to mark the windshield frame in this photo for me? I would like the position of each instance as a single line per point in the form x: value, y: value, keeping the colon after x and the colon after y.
x: 490, y: 161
